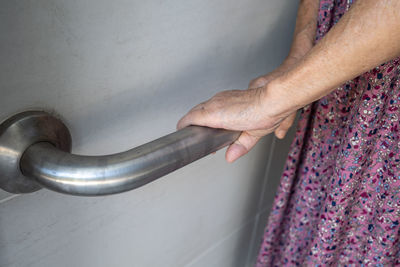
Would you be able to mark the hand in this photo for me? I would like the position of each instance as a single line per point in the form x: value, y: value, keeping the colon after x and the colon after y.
x: 262, y: 81
x: 251, y: 111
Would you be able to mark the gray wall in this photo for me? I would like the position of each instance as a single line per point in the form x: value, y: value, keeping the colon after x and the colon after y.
x: 122, y: 73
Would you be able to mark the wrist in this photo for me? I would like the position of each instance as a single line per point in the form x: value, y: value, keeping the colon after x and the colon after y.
x: 280, y: 96
x: 293, y: 58
x: 277, y: 99
x: 301, y: 45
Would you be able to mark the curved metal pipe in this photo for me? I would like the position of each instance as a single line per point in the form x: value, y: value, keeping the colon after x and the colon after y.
x: 101, y: 175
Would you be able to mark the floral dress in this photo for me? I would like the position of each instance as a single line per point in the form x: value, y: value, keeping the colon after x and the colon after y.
x: 338, y: 203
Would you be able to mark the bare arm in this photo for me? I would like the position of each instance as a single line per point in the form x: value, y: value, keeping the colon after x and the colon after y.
x: 303, y: 41
x: 304, y: 32
x: 366, y: 36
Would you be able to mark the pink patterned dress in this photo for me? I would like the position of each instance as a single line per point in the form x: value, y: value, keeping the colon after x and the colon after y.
x: 338, y: 202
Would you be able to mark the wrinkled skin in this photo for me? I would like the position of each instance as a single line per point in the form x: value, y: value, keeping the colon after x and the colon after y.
x: 365, y: 37
x: 242, y: 110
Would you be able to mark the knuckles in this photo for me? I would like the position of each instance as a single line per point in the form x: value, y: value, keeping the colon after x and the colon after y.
x: 258, y: 82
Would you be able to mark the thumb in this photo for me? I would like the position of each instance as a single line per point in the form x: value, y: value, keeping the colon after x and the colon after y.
x: 241, y: 146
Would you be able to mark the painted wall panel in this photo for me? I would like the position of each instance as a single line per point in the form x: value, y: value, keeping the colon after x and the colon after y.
x: 121, y: 73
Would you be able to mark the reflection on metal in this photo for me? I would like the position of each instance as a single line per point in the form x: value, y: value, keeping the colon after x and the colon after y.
x: 35, y: 146
x: 16, y: 135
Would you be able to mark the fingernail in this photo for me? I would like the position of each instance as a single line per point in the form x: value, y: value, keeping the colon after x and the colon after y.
x: 280, y: 134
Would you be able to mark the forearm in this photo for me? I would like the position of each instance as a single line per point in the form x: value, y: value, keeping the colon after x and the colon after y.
x: 305, y: 29
x: 366, y: 36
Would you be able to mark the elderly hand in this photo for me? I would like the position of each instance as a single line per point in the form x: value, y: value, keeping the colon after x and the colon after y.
x: 266, y: 106
x: 255, y: 111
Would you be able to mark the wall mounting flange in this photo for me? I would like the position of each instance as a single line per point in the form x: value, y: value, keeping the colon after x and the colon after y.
x: 19, y: 132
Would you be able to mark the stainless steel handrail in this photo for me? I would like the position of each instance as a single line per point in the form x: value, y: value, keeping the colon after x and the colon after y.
x: 101, y: 175
x: 35, y: 146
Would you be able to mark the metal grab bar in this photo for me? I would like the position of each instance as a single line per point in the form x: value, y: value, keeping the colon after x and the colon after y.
x: 44, y: 159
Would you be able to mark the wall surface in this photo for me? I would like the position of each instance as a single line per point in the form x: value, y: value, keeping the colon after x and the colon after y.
x: 121, y: 73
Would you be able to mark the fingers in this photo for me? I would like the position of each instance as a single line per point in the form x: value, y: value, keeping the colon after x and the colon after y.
x: 196, y: 115
x: 222, y: 107
x: 241, y: 146
x: 188, y: 119
x: 281, y: 131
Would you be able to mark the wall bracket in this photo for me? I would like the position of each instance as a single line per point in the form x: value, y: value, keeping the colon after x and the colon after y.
x: 17, y: 134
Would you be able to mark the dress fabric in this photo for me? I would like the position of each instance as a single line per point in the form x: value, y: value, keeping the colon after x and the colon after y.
x: 338, y: 202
